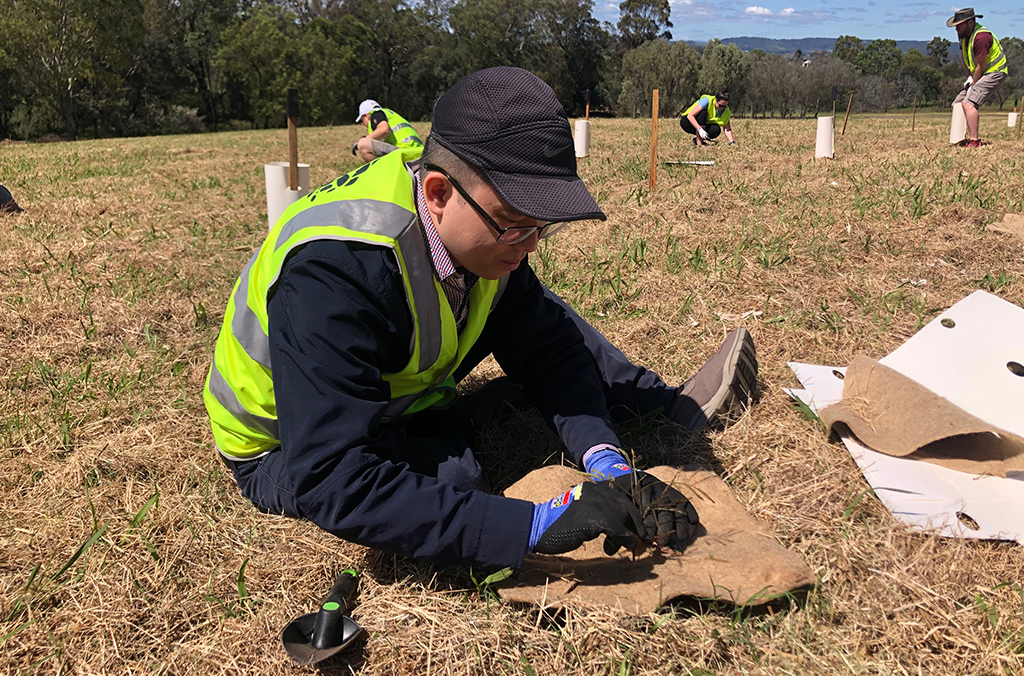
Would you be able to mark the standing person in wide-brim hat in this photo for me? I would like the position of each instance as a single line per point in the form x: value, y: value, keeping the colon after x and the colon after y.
x: 985, y: 64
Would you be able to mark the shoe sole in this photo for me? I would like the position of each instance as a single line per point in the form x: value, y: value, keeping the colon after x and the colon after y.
x: 739, y: 381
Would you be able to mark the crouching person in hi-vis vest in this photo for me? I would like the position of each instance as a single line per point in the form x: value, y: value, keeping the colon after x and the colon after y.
x: 707, y: 118
x: 332, y: 393
x: 985, y: 64
x: 386, y: 132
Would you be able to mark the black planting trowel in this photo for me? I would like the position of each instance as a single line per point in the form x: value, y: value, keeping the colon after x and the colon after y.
x: 314, y: 637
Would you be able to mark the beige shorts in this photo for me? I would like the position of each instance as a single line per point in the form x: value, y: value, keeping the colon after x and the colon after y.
x: 982, y: 89
x: 380, y: 148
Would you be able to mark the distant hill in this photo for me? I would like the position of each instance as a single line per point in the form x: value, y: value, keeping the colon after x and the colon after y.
x: 805, y: 45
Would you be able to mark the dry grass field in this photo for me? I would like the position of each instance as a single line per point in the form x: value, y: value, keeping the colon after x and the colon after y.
x: 125, y: 548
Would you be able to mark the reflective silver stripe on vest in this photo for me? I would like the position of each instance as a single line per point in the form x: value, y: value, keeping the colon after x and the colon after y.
x: 398, y: 223
x: 427, y: 300
x: 502, y: 283
x: 235, y: 458
x: 245, y: 326
x: 398, y: 406
x: 226, y: 397
x: 365, y: 215
x: 371, y: 216
x: 403, y: 125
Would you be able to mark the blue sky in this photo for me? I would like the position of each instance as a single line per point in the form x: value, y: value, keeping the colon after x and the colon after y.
x: 701, y: 20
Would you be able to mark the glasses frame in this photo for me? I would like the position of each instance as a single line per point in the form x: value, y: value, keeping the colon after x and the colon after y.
x: 543, y: 231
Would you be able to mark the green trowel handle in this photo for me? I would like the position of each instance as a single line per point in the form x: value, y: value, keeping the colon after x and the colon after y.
x: 327, y: 628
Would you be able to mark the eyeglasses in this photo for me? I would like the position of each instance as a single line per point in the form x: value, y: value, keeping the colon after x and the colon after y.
x: 507, y: 236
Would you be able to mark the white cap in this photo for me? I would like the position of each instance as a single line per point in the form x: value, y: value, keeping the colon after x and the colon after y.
x: 365, y: 107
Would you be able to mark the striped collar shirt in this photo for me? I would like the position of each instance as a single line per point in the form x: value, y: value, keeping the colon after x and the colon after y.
x: 457, y: 283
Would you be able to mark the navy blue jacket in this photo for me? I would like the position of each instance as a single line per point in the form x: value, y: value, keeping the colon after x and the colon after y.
x: 338, y: 319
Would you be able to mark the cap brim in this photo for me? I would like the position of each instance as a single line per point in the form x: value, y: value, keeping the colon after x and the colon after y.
x: 546, y: 198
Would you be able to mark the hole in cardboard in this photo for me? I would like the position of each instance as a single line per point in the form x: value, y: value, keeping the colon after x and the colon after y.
x: 838, y: 374
x: 948, y: 323
x: 967, y: 521
x: 1016, y: 368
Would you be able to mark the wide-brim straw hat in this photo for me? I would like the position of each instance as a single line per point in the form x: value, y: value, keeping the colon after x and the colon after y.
x: 962, y: 15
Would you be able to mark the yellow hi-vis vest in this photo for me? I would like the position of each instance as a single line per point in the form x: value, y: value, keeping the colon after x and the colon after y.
x: 996, y: 58
x: 372, y: 205
x: 402, y: 133
x: 713, y: 116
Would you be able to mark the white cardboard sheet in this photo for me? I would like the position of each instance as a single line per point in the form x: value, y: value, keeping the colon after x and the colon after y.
x: 966, y: 364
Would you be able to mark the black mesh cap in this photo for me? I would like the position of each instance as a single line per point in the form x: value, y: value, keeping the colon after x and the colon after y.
x: 507, y: 123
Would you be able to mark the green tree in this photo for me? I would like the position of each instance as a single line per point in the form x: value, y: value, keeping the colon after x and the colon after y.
x: 917, y: 76
x: 328, y: 58
x: 670, y: 67
x: 501, y: 33
x: 723, y: 67
x: 1013, y: 48
x: 644, y: 20
x: 582, y: 47
x: 847, y: 48
x: 394, y: 36
x: 198, y: 27
x: 773, y: 85
x: 880, y: 57
x: 814, y: 83
x: 308, y: 10
x: 68, y: 46
x: 270, y: 51
x: 258, y: 64
x: 9, y: 72
x: 938, y: 49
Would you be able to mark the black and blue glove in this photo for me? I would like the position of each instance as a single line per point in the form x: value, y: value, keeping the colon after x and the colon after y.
x: 669, y: 518
x: 579, y: 515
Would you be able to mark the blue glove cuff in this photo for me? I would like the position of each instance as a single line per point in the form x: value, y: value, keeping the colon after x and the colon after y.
x: 546, y: 513
x: 606, y: 464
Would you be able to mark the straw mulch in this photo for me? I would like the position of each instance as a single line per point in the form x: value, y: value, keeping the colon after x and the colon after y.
x: 125, y: 548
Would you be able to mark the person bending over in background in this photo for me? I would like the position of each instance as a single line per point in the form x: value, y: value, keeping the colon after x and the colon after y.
x: 332, y: 394
x: 985, y: 64
x: 707, y: 117
x: 387, y: 131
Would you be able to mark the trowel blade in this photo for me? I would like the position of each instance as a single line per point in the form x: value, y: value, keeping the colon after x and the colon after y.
x: 296, y: 639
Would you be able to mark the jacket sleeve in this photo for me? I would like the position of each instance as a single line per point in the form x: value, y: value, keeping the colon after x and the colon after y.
x: 337, y: 321
x: 539, y: 346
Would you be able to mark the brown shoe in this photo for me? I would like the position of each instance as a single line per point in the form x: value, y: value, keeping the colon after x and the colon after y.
x: 721, y: 388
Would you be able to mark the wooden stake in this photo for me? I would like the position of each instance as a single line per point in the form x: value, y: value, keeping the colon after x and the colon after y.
x: 654, y: 137
x: 1019, y: 126
x: 293, y: 138
x: 913, y: 118
x: 848, y: 106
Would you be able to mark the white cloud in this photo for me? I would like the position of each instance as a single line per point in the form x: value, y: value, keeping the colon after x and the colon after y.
x: 759, y: 11
x: 787, y: 12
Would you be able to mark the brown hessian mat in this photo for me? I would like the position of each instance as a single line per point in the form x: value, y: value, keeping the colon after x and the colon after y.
x: 732, y: 558
x: 890, y: 413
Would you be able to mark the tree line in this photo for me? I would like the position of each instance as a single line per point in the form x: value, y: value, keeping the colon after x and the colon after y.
x: 136, y: 67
